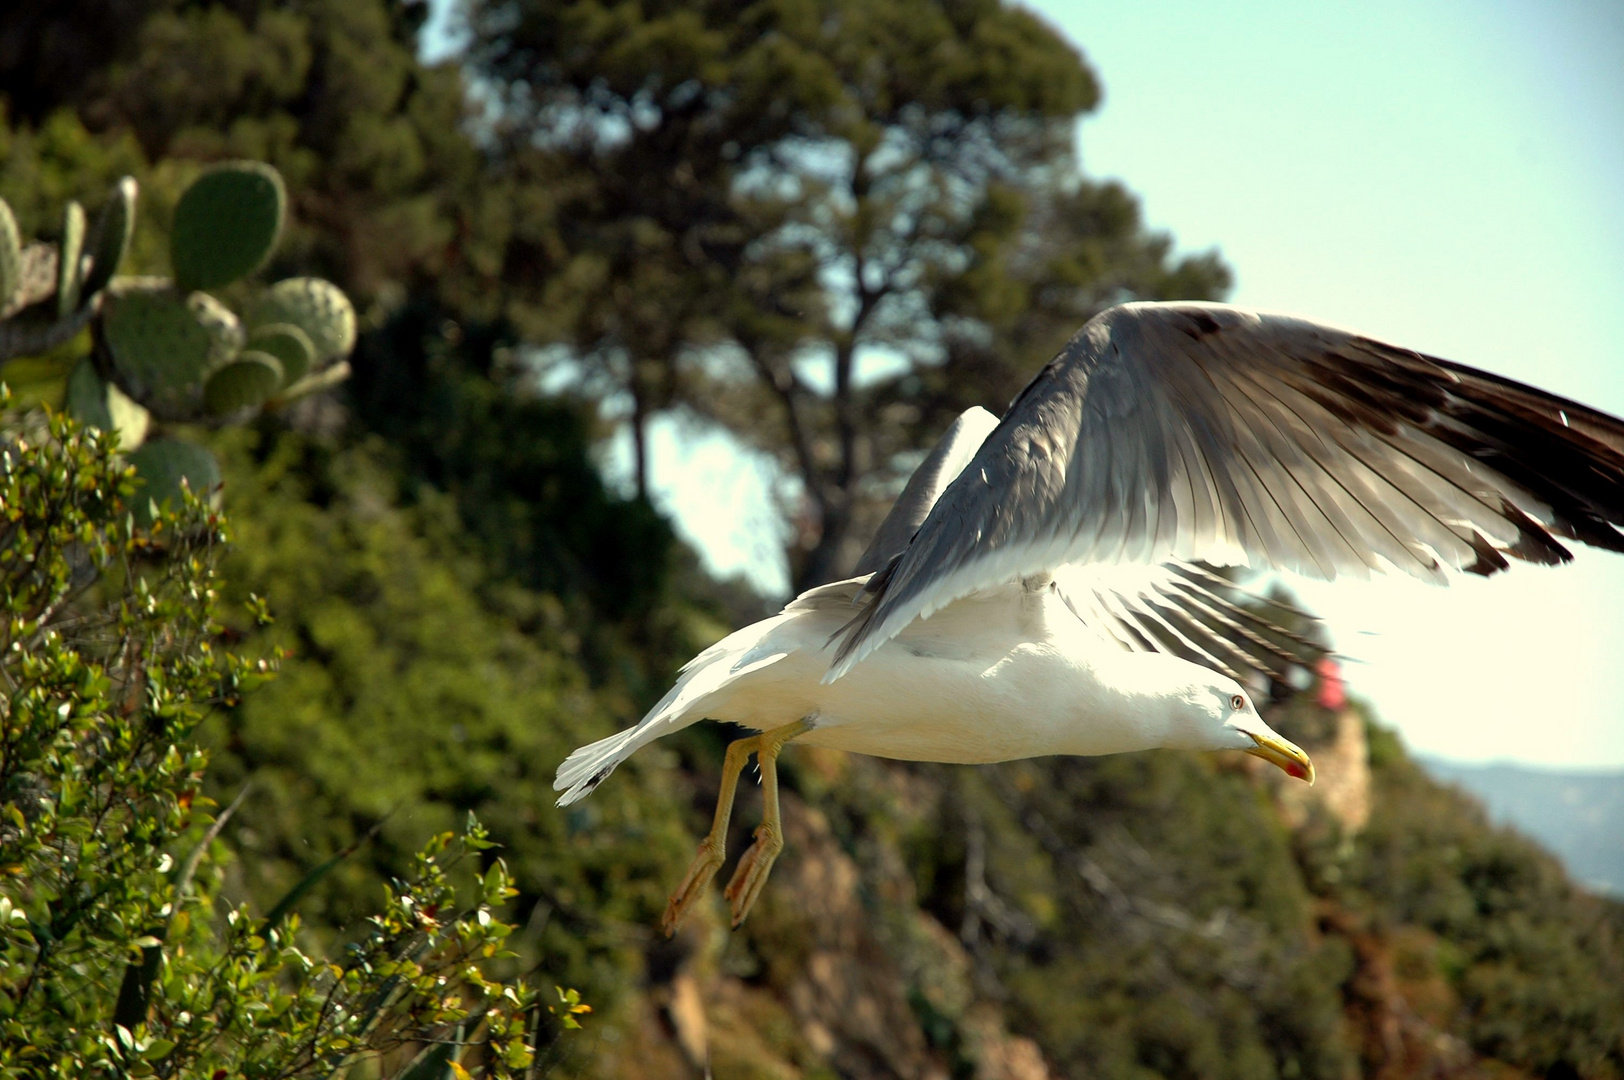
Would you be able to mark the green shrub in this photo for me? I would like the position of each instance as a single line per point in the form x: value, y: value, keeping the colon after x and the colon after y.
x: 117, y: 956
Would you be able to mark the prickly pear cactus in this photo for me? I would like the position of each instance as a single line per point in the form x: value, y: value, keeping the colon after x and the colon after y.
x: 114, y: 230
x: 244, y: 383
x: 93, y: 401
x: 226, y: 224
x: 50, y: 292
x: 166, y: 350
x: 11, y: 256
x: 162, y: 465
x: 289, y: 344
x: 224, y: 328
x: 69, y: 260
x: 317, y: 307
x: 163, y: 345
x: 86, y: 397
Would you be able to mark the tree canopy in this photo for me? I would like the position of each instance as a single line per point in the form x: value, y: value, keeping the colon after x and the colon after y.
x: 827, y: 227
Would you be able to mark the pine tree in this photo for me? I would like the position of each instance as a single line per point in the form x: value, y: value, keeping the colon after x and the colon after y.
x: 755, y: 198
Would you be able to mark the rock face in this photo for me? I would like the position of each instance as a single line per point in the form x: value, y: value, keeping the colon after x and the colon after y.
x: 839, y: 988
x: 1342, y: 787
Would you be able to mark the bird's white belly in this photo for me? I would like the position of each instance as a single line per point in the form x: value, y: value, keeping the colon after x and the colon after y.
x: 962, y: 709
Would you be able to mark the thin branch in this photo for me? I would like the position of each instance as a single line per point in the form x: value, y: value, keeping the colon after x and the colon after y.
x: 787, y: 387
x: 189, y: 868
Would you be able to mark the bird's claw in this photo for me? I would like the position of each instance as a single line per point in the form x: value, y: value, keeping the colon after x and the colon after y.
x: 751, y: 873
x: 692, y: 886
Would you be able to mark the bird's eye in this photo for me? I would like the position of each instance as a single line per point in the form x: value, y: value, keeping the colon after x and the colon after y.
x: 1237, y: 702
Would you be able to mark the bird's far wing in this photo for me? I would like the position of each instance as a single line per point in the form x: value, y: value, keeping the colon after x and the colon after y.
x: 940, y: 467
x: 1201, y: 432
x: 1187, y: 610
x: 829, y: 596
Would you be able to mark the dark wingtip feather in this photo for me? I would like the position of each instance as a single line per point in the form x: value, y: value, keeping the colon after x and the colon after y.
x: 1533, y: 544
x: 1489, y: 560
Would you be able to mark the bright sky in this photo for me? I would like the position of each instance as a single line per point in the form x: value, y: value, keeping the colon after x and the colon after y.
x: 1447, y: 176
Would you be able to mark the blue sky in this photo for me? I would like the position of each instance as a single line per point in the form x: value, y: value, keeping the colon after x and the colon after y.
x: 1448, y: 177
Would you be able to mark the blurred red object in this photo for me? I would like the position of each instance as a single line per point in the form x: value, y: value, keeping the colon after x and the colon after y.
x: 1332, y: 693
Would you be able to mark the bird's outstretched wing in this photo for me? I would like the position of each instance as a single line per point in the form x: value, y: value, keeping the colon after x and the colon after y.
x: 945, y: 461
x: 1201, y: 432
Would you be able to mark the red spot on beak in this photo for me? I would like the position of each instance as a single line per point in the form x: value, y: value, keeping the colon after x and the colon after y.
x: 1296, y: 770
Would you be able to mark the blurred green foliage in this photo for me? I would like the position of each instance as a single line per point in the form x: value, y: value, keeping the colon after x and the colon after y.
x: 409, y: 699
x: 827, y: 226
x: 1534, y: 964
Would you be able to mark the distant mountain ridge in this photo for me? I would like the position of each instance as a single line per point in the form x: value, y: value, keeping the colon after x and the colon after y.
x: 1578, y: 815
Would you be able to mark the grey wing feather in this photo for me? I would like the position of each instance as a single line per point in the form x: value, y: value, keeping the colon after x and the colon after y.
x: 939, y: 469
x: 1188, y: 611
x: 1202, y: 432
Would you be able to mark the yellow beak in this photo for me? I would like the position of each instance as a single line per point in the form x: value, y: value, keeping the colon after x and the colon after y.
x: 1289, y: 756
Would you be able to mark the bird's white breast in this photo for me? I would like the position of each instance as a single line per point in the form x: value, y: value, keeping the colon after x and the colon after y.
x: 991, y: 678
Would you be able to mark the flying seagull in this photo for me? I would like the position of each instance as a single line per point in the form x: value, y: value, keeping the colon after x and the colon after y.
x: 1042, y: 585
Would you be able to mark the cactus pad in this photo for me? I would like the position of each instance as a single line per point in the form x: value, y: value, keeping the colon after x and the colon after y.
x: 225, y: 329
x: 11, y: 256
x: 86, y: 398
x: 226, y: 224
x: 317, y: 307
x: 100, y: 404
x: 159, y: 348
x: 129, y: 418
x: 162, y: 464
x: 162, y: 346
x: 242, y: 384
x: 68, y: 274
x: 290, y: 345
x: 112, y: 237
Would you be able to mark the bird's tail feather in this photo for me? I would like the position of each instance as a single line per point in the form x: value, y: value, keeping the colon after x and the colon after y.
x: 734, y: 657
x: 589, y: 766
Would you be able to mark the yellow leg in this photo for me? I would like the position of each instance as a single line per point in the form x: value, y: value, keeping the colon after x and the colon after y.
x: 713, y: 848
x: 757, y: 863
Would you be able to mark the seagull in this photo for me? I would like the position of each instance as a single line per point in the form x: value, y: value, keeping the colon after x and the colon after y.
x: 1048, y: 582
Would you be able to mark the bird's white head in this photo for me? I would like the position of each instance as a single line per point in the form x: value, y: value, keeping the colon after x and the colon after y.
x: 1215, y: 713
